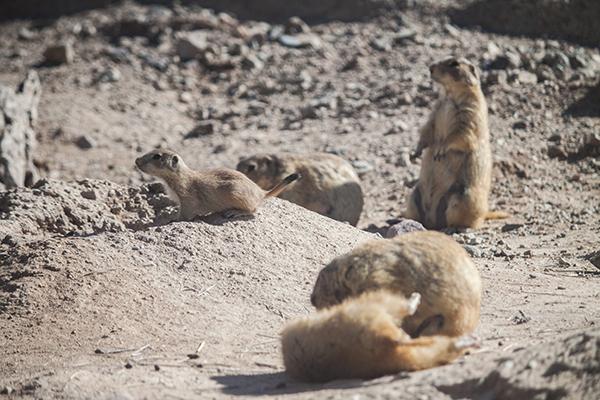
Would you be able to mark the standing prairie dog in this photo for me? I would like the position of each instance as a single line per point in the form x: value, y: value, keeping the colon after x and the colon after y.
x: 456, y: 170
x: 329, y: 185
x: 427, y: 262
x: 201, y: 193
x: 361, y: 338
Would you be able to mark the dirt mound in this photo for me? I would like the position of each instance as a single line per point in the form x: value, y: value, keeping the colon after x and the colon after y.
x: 576, y: 20
x: 81, y: 208
x: 563, y: 368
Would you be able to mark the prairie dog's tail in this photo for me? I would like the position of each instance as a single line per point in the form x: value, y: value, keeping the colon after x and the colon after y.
x: 361, y: 338
x: 496, y: 215
x: 281, y: 186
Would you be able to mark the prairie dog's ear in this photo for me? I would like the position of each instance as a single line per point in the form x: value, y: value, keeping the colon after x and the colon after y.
x: 175, y: 161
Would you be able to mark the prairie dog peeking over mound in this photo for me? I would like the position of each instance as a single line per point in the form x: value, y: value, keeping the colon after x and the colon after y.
x: 210, y: 191
x: 456, y: 169
x: 361, y: 338
x: 329, y: 185
x: 427, y: 262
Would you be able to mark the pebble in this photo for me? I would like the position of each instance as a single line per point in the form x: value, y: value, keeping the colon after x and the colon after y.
x: 111, y: 74
x: 204, y: 128
x: 526, y: 77
x: 508, y: 60
x: 85, y: 142
x: 295, y: 25
x: 300, y: 41
x: 191, y: 45
x: 402, y: 227
x: 59, y: 54
x: 362, y: 167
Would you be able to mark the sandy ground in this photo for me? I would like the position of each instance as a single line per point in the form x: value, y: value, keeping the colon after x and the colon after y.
x: 194, y: 310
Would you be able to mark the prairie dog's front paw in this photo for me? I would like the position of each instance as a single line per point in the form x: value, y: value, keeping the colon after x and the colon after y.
x: 439, y: 154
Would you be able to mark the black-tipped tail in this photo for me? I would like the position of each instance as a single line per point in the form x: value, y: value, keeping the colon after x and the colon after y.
x: 281, y: 186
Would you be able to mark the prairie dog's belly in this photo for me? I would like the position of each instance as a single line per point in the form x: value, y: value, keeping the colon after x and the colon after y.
x: 444, y: 121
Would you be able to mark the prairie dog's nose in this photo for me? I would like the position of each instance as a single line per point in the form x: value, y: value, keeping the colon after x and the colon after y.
x: 431, y: 68
x: 138, y: 162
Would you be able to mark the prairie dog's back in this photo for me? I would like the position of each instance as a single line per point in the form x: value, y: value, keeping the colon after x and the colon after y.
x: 427, y: 262
x: 329, y: 184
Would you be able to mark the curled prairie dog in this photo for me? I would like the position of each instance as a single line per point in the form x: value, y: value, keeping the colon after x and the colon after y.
x: 427, y: 262
x: 361, y: 338
x: 329, y: 185
x: 210, y: 191
x: 456, y: 169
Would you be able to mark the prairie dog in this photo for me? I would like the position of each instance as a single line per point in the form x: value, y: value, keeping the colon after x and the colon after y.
x: 427, y: 262
x: 361, y: 338
x: 329, y: 185
x: 206, y: 192
x: 456, y: 169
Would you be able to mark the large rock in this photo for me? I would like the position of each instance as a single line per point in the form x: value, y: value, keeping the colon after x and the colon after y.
x: 18, y: 112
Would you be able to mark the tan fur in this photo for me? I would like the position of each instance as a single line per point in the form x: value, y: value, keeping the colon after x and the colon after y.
x: 329, y: 184
x: 360, y: 338
x: 456, y: 168
x: 427, y: 262
x: 205, y: 192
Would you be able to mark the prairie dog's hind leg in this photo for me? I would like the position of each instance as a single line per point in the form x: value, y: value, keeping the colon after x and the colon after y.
x: 414, y: 209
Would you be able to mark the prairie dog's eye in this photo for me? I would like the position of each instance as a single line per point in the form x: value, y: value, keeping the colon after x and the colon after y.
x: 156, y: 156
x: 251, y: 167
x: 453, y: 64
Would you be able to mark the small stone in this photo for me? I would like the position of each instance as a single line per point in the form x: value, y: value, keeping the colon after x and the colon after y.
x: 85, y: 142
x: 295, y: 25
x: 300, y: 41
x: 191, y: 45
x: 26, y: 34
x: 382, y: 43
x: 309, y: 112
x: 594, y: 258
x: 402, y: 227
x: 508, y: 60
x: 526, y: 77
x: 520, y: 125
x: 521, y: 318
x: 558, y: 61
x: 511, y: 227
x: 186, y: 97
x: 59, y: 54
x: 498, y: 77
x: 111, y: 75
x: 156, y: 367
x: 528, y: 253
x: 204, y: 128
x: 578, y: 61
x: 545, y: 73
x: 557, y: 151
x: 473, y: 251
x: 128, y: 365
x: 89, y: 194
x: 252, y: 62
x: 118, y: 54
x: 362, y: 167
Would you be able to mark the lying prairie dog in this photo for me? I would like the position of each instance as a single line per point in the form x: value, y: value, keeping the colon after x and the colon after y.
x: 427, y: 262
x: 361, y: 338
x: 201, y: 193
x: 329, y: 185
